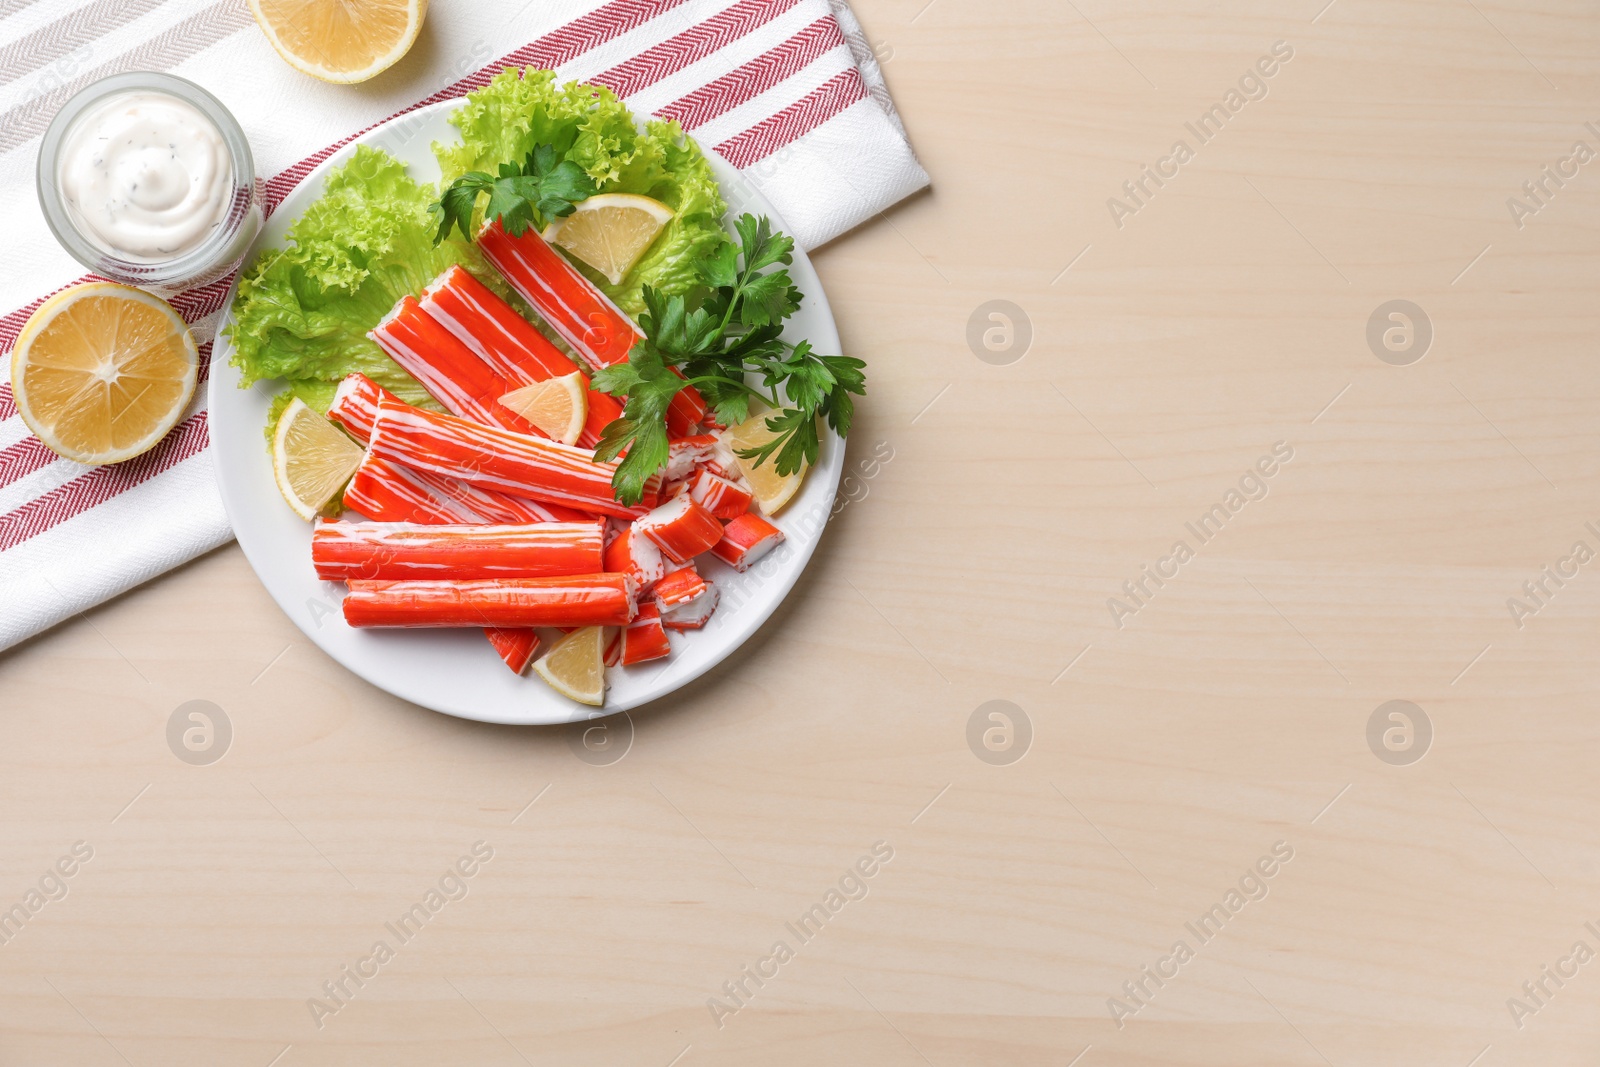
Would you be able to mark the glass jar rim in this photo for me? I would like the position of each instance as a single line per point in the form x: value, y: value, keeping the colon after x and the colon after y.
x: 58, y: 215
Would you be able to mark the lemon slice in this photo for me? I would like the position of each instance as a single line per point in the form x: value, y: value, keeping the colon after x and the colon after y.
x: 611, y: 232
x: 575, y: 666
x: 558, y: 406
x: 101, y: 372
x: 340, y: 40
x: 772, y: 490
x: 311, y: 459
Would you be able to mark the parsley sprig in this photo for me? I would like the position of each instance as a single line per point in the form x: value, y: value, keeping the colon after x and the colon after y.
x: 543, y: 187
x: 712, y: 338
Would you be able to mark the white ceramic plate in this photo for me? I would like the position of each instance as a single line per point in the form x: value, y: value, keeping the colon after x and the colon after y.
x: 455, y: 671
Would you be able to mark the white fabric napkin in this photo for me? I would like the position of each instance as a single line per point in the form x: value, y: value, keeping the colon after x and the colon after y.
x: 788, y: 90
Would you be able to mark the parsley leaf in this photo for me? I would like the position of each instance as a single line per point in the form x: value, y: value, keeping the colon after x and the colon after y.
x: 713, y: 339
x: 649, y: 384
x: 543, y: 187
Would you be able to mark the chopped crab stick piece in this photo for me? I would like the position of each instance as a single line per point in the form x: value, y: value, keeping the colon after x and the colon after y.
x: 575, y: 600
x: 515, y: 352
x: 450, y: 371
x: 391, y: 551
x: 694, y: 614
x: 489, y: 458
x: 684, y: 454
x: 516, y: 647
x: 723, y: 498
x: 682, y: 528
x: 355, y: 407
x: 644, y: 638
x: 584, y: 317
x: 681, y: 587
x: 634, y: 554
x: 746, y: 540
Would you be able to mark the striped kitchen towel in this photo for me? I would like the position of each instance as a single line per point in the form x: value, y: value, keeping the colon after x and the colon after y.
x: 787, y: 90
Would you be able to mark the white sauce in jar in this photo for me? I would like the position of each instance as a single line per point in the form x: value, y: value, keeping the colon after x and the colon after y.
x: 146, y: 176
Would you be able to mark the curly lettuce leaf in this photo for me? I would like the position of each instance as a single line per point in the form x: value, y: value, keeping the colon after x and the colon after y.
x: 303, y: 311
x: 520, y: 110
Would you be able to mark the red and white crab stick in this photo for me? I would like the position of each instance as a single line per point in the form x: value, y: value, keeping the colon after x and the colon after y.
x: 390, y: 494
x: 490, y: 458
x: 451, y: 372
x: 682, y: 586
x: 390, y: 551
x: 644, y: 638
x: 575, y: 600
x: 508, y: 343
x: 682, y: 528
x: 598, y: 331
x: 723, y: 497
x: 386, y: 493
x: 746, y: 540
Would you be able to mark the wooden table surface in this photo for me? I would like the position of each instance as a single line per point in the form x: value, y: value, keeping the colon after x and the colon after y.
x: 1197, y: 834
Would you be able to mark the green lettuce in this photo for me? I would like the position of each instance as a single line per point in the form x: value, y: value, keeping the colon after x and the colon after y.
x: 303, y: 311
x: 517, y: 110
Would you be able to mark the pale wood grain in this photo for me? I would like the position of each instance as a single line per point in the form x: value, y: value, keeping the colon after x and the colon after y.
x: 1226, y: 716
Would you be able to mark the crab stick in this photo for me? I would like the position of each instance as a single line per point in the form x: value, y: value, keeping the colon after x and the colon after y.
x: 575, y: 600
x: 681, y: 587
x: 451, y: 372
x: 644, y: 638
x: 384, y: 492
x: 746, y: 540
x: 490, y: 458
x: 514, y: 351
x: 516, y: 647
x: 685, y: 454
x: 391, y: 551
x: 724, y: 498
x: 694, y: 614
x: 634, y: 554
x: 682, y: 528
x: 355, y: 407
x: 584, y: 317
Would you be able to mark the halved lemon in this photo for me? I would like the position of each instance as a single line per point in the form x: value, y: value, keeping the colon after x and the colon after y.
x: 312, y: 459
x: 772, y: 490
x: 611, y: 232
x: 558, y: 406
x: 340, y: 40
x: 101, y: 372
x: 575, y: 666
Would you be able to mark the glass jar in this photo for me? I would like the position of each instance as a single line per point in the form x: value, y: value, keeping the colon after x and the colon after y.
x: 235, y: 203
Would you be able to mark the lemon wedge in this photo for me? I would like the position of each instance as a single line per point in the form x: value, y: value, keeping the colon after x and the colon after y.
x: 340, y: 40
x: 772, y: 490
x: 311, y: 459
x: 101, y: 372
x: 575, y: 666
x: 611, y: 232
x: 558, y: 406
